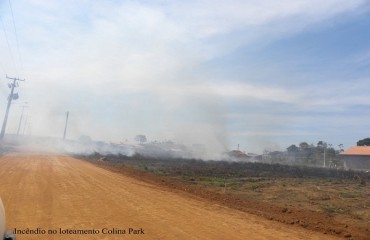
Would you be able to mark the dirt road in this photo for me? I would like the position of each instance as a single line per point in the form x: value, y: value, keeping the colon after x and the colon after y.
x: 59, y: 197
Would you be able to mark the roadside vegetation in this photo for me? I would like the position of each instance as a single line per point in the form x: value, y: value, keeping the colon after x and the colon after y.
x: 343, y: 196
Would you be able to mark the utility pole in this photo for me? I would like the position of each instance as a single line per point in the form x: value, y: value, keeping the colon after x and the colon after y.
x: 20, y: 120
x: 25, y: 125
x: 65, y: 128
x: 12, y: 86
x: 324, y: 156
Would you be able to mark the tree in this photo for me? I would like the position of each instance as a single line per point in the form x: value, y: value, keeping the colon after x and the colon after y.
x: 292, y: 149
x: 322, y: 144
x: 364, y: 142
x: 341, y: 147
x: 304, y: 145
x: 140, y: 138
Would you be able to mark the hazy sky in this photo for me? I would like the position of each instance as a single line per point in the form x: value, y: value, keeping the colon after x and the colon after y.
x: 261, y: 73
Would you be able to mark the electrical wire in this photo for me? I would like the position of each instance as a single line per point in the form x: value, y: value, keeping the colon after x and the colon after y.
x: 9, y: 48
x: 2, y: 68
x: 16, y: 38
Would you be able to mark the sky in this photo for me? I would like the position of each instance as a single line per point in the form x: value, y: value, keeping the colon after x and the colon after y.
x: 262, y: 74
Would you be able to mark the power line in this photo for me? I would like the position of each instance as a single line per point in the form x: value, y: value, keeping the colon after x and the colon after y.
x: 1, y: 63
x: 2, y: 68
x: 9, y: 48
x: 16, y: 38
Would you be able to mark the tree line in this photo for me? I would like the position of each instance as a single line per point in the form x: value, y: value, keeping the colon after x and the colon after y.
x: 321, y: 154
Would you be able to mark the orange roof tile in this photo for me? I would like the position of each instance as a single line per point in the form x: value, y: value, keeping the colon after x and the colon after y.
x: 357, y: 150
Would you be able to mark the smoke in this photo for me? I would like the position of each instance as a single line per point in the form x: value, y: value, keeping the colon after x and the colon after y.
x: 201, y: 119
x: 85, y: 146
x: 170, y: 71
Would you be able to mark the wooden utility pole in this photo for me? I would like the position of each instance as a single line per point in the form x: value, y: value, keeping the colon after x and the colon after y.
x: 65, y: 128
x: 12, y: 86
x: 20, y: 120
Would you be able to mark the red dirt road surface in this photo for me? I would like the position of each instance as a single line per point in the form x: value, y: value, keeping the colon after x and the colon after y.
x: 59, y: 197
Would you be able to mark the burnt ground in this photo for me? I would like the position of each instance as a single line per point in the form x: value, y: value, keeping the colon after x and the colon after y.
x: 335, y: 202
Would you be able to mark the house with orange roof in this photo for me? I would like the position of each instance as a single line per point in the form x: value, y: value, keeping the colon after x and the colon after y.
x: 357, y: 158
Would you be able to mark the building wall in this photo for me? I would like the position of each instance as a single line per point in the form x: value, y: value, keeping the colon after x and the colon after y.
x: 356, y: 162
